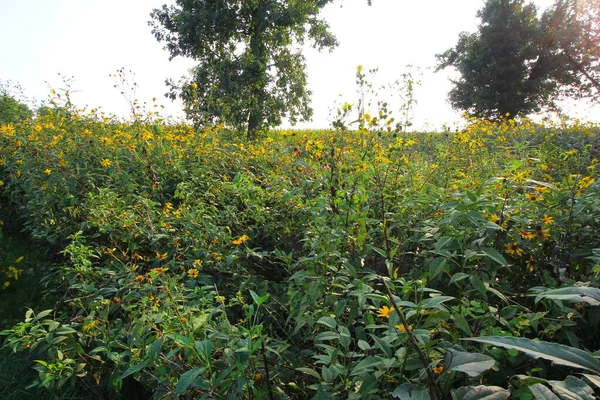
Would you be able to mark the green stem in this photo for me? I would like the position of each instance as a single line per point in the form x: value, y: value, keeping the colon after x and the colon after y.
x: 431, y: 384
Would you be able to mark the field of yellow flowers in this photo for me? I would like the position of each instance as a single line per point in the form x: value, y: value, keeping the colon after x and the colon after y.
x: 342, y: 264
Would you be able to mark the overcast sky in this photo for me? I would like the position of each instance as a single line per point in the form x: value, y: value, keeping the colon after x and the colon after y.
x: 90, y: 40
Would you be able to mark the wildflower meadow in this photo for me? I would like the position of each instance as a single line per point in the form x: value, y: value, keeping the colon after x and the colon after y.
x: 361, y: 262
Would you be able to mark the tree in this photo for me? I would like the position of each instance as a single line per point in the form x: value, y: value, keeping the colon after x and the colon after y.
x: 517, y: 64
x: 573, y: 36
x: 251, y: 69
x: 11, y: 110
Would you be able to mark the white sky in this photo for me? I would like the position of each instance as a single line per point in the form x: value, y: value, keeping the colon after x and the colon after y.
x: 91, y: 39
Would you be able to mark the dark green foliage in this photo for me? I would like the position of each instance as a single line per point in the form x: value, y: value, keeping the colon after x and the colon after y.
x: 250, y: 71
x: 517, y: 64
x: 573, y: 38
x: 11, y: 111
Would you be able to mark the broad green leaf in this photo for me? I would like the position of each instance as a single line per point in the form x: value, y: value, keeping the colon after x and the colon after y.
x: 594, y: 379
x: 258, y: 299
x: 383, y: 345
x: 65, y: 330
x: 436, y: 266
x: 186, y: 379
x: 379, y: 251
x: 498, y: 293
x: 409, y: 391
x: 494, y: 255
x: 459, y: 276
x: 364, y: 345
x: 541, y: 392
x: 557, y: 353
x: 310, y: 372
x: 43, y: 314
x: 328, y: 322
x: 327, y: 336
x: 587, y: 295
x: 366, y: 365
x: 472, y: 364
x: 480, y: 393
x: 135, y: 368
x: 461, y: 323
x: 368, y: 385
x: 436, y: 302
x: 572, y: 388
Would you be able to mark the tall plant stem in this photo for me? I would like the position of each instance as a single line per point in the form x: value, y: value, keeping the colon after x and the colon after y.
x: 431, y: 384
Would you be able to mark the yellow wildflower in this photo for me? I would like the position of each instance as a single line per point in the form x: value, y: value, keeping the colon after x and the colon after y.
x: 439, y: 369
x: 240, y: 240
x: 47, y: 171
x: 401, y: 327
x: 525, y: 234
x: 384, y: 311
x: 154, y: 300
x: 547, y: 220
x: 541, y: 232
x: 193, y: 273
x: 106, y: 163
x: 514, y: 249
x: 531, y: 263
x: 159, y: 270
x: 8, y: 130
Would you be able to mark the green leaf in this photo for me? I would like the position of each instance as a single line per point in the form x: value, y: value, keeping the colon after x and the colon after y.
x: 409, y: 391
x: 186, y: 379
x: 461, y: 323
x: 541, y: 392
x: 587, y: 295
x: 327, y: 336
x: 135, y: 368
x: 472, y: 364
x: 481, y: 393
x: 258, y: 299
x: 366, y: 366
x: 557, y: 353
x: 310, y: 372
x: 328, y: 322
x: 572, y: 388
x: 65, y: 330
x: 364, y: 345
x: 436, y: 266
x: 436, y: 302
x: 494, y: 255
x: 379, y: 251
x: 459, y: 276
x: 382, y: 345
x: 594, y: 379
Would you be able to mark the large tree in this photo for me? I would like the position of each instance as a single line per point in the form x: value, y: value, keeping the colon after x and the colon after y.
x: 250, y: 71
x: 516, y: 64
x: 572, y: 37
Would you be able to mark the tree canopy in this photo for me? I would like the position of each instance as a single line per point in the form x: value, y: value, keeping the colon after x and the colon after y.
x: 250, y: 71
x: 517, y: 63
x: 11, y: 110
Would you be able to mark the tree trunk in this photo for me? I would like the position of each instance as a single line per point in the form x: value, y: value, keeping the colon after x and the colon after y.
x: 258, y: 71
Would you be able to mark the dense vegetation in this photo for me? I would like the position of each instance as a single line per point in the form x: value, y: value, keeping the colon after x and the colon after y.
x: 307, y: 264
